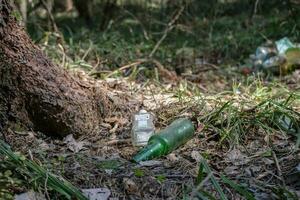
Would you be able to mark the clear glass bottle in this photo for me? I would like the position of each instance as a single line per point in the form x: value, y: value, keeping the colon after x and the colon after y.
x: 142, y: 128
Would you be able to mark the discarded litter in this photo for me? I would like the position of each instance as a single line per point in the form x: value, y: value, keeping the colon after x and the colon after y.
x: 142, y: 128
x: 283, y: 45
x: 31, y: 195
x: 281, y: 58
x: 97, y: 193
x: 273, y: 62
x: 162, y: 143
x: 263, y: 53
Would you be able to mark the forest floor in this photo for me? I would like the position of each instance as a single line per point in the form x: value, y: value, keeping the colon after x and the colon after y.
x: 239, y: 116
x: 236, y: 135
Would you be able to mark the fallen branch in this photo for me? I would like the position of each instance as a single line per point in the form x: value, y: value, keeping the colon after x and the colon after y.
x: 170, y: 26
x: 126, y: 67
x: 169, y: 74
x: 279, y: 172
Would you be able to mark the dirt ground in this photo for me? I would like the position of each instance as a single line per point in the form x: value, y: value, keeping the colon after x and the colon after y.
x: 261, y: 163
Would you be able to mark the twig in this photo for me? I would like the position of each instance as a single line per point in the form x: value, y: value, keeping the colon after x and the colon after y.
x: 99, y: 72
x: 170, y: 26
x: 3, y: 124
x: 88, y: 51
x: 118, y: 142
x: 126, y: 67
x: 92, y: 72
x: 255, y: 7
x: 2, y: 132
x: 169, y: 74
x: 64, y: 55
x: 214, y: 67
x: 152, y: 95
x: 164, y: 71
x: 50, y: 16
x: 34, y: 7
x: 278, y: 167
x: 142, y: 26
x: 178, y: 176
x: 45, y: 187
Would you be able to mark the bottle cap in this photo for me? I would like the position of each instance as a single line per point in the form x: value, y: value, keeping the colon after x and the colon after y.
x: 143, y: 111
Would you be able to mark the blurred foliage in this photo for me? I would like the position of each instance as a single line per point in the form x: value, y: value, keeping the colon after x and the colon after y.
x: 119, y: 31
x: 8, y: 182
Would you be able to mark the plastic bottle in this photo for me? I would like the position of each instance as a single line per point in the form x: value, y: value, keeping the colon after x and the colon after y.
x: 274, y: 62
x: 162, y: 143
x: 283, y: 45
x: 263, y: 53
x: 142, y: 129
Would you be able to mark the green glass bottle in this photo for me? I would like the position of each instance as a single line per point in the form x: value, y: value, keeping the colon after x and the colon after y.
x: 162, y: 143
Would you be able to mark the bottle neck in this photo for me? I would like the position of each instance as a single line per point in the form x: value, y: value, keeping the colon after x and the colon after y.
x: 150, y: 151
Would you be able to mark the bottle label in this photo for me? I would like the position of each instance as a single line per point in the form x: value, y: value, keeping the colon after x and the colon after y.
x: 142, y: 139
x: 142, y: 117
x: 142, y: 124
x: 142, y: 120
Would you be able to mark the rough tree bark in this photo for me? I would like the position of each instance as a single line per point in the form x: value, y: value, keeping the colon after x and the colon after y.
x: 37, y: 93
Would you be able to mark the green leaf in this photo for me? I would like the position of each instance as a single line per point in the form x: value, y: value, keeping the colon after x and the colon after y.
x: 139, y: 173
x: 201, y: 174
x: 161, y: 178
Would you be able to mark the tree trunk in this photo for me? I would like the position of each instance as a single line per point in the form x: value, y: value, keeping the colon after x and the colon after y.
x: 37, y: 93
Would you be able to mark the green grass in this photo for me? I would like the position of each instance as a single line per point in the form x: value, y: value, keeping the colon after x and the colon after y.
x: 139, y: 172
x: 38, y: 177
x: 238, y: 188
x: 252, y: 107
x: 203, y: 173
x: 7, y: 182
x: 260, y: 109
